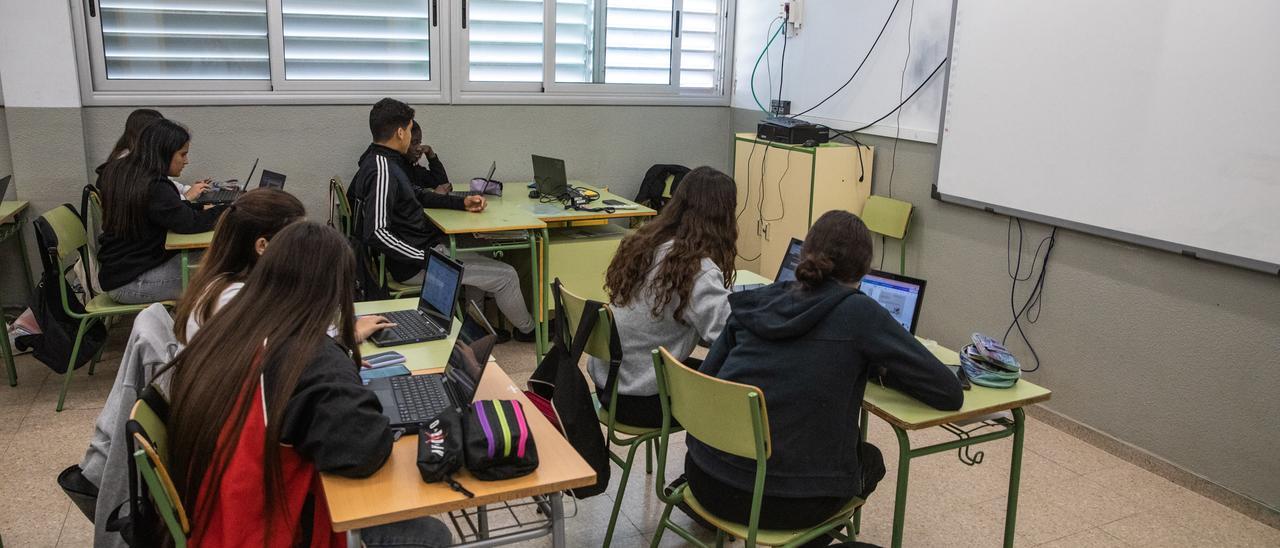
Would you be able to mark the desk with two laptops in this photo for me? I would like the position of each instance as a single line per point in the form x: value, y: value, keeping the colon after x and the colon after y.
x: 984, y: 408
x: 396, y: 492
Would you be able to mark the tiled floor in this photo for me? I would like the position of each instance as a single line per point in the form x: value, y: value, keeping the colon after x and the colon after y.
x: 1073, y: 494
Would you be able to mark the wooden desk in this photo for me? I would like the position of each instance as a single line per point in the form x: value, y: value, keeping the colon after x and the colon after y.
x: 498, y: 216
x: 419, y: 356
x: 11, y: 221
x: 904, y: 413
x: 397, y: 493
x: 184, y: 244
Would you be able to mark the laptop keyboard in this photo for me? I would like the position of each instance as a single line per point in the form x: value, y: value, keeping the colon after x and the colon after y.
x: 411, y: 324
x: 219, y: 196
x: 419, y: 398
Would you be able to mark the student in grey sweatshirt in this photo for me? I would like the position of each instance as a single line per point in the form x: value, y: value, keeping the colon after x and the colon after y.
x: 669, y: 286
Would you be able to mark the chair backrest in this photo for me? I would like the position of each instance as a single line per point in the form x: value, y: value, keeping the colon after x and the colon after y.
x: 726, y: 415
x: 69, y: 231
x: 886, y: 216
x: 598, y: 341
x: 150, y: 453
x: 91, y: 208
x: 340, y: 209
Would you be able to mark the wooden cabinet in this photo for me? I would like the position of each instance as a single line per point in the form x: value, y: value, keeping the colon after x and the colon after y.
x: 783, y: 189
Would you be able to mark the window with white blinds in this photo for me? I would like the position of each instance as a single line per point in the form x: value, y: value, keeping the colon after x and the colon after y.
x: 184, y: 39
x: 504, y: 39
x: 355, y: 40
x: 432, y: 50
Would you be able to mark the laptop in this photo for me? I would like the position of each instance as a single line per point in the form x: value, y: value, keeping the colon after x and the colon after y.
x: 493, y: 166
x: 409, y: 400
x: 901, y: 295
x: 433, y: 318
x: 786, y: 270
x: 548, y: 177
x: 227, y: 191
x: 271, y: 179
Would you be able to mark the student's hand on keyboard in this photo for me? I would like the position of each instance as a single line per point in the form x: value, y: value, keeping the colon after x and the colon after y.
x: 197, y: 188
x: 366, y: 326
x: 475, y: 203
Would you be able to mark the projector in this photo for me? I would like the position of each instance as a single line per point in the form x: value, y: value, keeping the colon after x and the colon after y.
x: 781, y: 129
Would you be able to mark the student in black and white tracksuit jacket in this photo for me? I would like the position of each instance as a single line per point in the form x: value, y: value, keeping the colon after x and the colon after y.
x: 389, y: 214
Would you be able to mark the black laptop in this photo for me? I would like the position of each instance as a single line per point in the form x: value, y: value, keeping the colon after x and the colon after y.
x: 409, y: 400
x: 433, y: 318
x: 271, y: 179
x: 786, y: 270
x: 227, y: 191
x: 549, y: 177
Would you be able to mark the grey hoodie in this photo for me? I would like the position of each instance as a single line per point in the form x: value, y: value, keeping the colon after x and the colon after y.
x: 640, y: 331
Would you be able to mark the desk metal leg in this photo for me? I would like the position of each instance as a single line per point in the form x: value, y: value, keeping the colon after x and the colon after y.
x: 900, y: 498
x: 1015, y: 477
x: 186, y: 276
x: 353, y: 539
x: 6, y: 352
x: 557, y: 519
x: 543, y: 290
x: 539, y: 314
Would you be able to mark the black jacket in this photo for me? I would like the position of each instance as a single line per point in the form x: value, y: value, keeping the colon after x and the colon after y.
x: 430, y: 176
x: 332, y: 420
x: 124, y: 258
x: 811, y: 353
x: 389, y: 211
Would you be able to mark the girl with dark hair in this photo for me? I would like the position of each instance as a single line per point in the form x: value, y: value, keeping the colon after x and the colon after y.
x: 239, y: 240
x: 810, y: 345
x: 263, y: 401
x: 140, y: 206
x: 669, y: 286
x: 137, y: 121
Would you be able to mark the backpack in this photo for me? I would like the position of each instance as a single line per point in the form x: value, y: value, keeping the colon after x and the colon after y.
x: 558, y: 385
x: 58, y: 330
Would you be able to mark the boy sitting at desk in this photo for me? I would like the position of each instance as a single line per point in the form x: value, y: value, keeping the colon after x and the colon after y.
x: 432, y: 176
x: 390, y: 217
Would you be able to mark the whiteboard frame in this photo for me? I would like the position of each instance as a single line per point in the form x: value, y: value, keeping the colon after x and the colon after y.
x: 1127, y: 237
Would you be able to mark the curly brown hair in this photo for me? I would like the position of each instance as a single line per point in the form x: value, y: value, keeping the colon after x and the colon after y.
x: 699, y: 222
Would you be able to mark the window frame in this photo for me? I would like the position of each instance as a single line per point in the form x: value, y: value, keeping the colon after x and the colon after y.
x: 671, y: 88
x: 449, y: 83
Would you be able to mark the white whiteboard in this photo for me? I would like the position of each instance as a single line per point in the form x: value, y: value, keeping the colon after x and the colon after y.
x: 833, y: 39
x: 1152, y: 121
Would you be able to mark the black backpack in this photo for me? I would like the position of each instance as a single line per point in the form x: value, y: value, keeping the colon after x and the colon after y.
x: 58, y: 330
x: 654, y: 184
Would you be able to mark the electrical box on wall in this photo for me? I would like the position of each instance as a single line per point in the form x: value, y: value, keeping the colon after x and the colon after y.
x: 793, y: 14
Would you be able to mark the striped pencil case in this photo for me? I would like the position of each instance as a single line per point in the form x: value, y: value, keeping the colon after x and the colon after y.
x: 499, y: 443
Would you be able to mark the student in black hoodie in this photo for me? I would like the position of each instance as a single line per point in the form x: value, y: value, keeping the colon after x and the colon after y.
x: 140, y: 205
x: 811, y: 345
x: 431, y: 176
x: 390, y: 217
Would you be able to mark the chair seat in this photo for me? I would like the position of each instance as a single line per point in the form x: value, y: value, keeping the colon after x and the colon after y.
x: 397, y: 289
x: 104, y: 304
x: 602, y: 415
x: 767, y: 537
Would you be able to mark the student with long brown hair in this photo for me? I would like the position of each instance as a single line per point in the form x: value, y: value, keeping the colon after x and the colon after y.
x: 139, y: 207
x: 137, y: 121
x: 810, y: 345
x: 669, y: 286
x: 263, y: 401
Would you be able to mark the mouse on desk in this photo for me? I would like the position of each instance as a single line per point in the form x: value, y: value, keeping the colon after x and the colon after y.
x: 533, y: 194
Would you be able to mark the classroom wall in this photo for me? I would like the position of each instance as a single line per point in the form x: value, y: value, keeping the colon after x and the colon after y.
x: 605, y: 145
x: 1174, y: 356
x: 9, y: 278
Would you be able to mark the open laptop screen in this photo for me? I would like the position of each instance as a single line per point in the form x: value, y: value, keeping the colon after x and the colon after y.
x: 787, y: 270
x: 439, y: 288
x: 900, y: 295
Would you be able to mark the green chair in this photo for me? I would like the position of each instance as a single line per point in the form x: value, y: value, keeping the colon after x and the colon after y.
x: 396, y: 289
x: 149, y: 440
x: 61, y: 236
x: 732, y: 418
x: 632, y: 437
x: 339, y: 207
x: 91, y: 207
x: 889, y: 217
